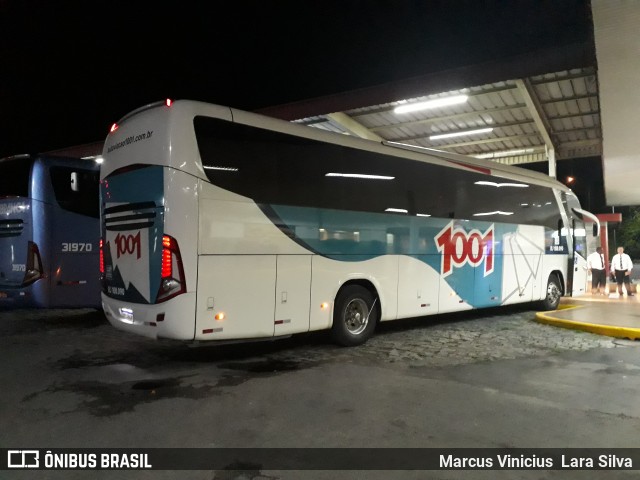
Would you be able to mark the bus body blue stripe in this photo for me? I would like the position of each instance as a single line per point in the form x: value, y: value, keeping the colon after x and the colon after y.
x: 357, y: 236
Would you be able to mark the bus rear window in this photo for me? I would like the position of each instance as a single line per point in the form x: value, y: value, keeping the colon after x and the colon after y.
x: 76, y: 190
x: 14, y: 177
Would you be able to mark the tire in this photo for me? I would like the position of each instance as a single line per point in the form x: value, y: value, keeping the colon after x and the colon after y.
x: 553, y: 293
x: 355, y: 316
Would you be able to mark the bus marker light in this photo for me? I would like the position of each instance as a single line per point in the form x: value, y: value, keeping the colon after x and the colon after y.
x: 212, y: 330
x: 168, y: 102
x: 113, y: 128
x: 324, y: 306
x: 220, y: 316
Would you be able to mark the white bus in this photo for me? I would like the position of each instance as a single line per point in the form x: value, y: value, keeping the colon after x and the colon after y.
x: 219, y: 225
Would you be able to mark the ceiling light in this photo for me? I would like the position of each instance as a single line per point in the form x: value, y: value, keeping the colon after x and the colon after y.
x: 461, y: 134
x: 497, y: 212
x: 437, y: 103
x: 360, y: 175
x: 397, y: 210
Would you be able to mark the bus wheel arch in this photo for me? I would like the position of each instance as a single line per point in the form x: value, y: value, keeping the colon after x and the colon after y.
x: 356, y: 313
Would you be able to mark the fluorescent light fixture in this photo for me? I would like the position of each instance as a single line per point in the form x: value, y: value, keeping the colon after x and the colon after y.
x: 422, y: 215
x: 436, y: 103
x: 498, y: 185
x: 506, y: 153
x: 360, y: 175
x: 397, y: 210
x: 224, y: 169
x: 497, y: 212
x: 461, y: 134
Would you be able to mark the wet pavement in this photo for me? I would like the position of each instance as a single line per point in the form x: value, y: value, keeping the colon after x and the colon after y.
x: 476, y: 379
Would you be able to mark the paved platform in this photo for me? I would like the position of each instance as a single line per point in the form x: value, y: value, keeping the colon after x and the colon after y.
x: 610, y: 315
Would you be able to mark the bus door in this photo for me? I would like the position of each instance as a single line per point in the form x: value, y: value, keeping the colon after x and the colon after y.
x: 578, y: 259
x: 574, y: 237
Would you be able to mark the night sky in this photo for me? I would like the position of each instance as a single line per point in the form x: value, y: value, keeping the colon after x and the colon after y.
x: 70, y: 69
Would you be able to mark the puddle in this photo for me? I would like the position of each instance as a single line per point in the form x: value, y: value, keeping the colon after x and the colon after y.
x: 265, y: 366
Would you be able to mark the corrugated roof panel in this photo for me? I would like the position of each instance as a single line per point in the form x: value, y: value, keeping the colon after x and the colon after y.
x: 500, y: 105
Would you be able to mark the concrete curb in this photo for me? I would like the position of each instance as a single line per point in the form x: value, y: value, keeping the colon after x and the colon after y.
x: 607, y: 330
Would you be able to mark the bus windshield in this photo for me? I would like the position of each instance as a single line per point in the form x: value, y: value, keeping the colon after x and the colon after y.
x: 14, y: 177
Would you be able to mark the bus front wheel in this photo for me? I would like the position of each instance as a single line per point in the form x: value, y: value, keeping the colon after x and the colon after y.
x: 355, y: 316
x: 553, y: 293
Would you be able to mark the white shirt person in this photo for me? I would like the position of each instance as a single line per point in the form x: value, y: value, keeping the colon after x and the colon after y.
x: 621, y: 266
x: 596, y: 265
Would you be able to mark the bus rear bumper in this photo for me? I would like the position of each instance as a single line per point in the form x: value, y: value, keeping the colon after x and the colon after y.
x: 23, y: 297
x: 174, y: 319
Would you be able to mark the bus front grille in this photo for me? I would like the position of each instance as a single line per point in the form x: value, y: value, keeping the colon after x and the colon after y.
x: 130, y: 216
x: 11, y: 228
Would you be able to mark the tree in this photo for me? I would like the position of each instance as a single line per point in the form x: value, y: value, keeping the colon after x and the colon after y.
x: 629, y: 234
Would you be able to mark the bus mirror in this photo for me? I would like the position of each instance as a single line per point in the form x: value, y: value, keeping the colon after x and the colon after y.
x: 74, y: 182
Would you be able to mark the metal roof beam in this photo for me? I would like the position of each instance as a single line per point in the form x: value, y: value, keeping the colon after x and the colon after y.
x: 542, y: 123
x: 487, y: 140
x: 567, y: 99
x: 353, y: 127
x: 571, y: 76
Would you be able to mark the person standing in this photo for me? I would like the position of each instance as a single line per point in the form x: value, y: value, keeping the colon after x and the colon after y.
x: 621, y: 266
x: 595, y: 264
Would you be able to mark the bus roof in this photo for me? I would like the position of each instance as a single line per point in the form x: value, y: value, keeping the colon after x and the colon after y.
x: 181, y: 110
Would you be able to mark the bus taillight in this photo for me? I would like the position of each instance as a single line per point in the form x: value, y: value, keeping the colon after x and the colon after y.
x: 101, y: 258
x: 34, y: 269
x: 173, y: 281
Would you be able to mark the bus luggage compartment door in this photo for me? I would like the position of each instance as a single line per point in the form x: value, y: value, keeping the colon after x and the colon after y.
x: 293, y: 291
x: 235, y: 296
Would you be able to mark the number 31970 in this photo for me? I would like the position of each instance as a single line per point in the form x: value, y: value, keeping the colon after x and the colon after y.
x: 76, y: 247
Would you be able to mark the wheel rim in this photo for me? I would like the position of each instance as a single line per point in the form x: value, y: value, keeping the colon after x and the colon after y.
x: 553, y: 294
x: 356, y: 316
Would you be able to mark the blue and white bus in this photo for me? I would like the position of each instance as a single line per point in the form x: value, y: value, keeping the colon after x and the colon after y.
x: 49, y: 232
x: 219, y: 224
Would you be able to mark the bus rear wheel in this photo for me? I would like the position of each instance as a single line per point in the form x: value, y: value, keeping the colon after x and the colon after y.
x: 354, y: 317
x: 553, y: 294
